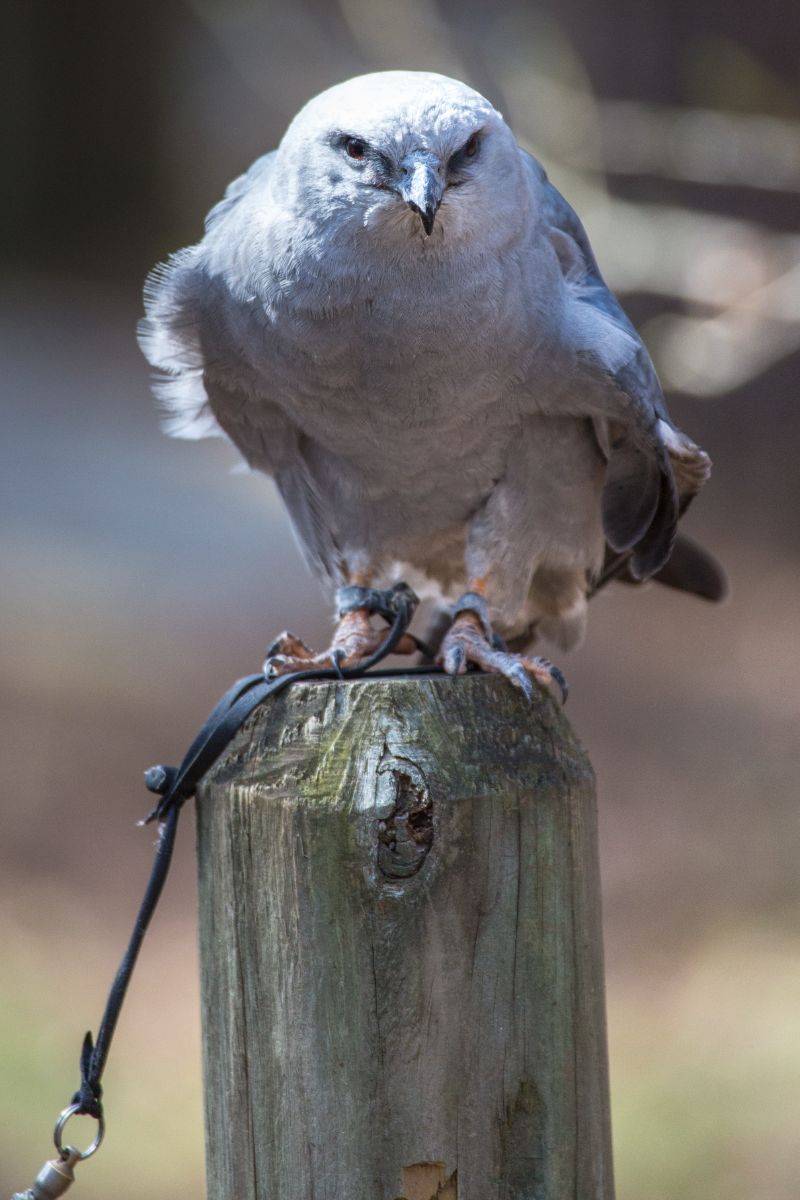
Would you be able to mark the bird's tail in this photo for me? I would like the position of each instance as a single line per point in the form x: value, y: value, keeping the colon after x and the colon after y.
x: 690, y: 568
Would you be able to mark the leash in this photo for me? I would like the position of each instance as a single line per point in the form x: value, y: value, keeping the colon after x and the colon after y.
x: 174, y: 786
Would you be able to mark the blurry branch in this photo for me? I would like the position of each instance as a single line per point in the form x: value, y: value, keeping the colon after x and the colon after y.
x: 630, y: 137
x: 696, y: 145
x: 408, y: 35
x: 247, y: 33
x: 746, y: 275
x: 706, y: 356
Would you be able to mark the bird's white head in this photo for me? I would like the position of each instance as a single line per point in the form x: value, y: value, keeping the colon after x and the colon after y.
x: 418, y: 157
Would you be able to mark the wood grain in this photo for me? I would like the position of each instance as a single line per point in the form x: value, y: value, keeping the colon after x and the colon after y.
x: 402, y: 977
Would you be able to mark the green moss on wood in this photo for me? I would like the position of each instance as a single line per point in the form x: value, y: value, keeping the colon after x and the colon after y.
x: 359, y: 1021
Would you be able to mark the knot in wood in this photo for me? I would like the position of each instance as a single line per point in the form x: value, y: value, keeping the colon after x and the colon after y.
x: 405, y: 809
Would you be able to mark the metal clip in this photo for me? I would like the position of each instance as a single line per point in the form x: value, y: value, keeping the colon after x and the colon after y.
x: 53, y: 1180
x: 57, y: 1175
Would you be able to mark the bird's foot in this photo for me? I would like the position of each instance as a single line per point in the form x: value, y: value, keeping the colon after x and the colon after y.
x: 355, y: 639
x: 353, y: 642
x: 470, y: 640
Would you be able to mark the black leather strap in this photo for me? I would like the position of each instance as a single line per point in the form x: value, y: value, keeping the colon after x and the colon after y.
x: 386, y: 603
x: 175, y: 785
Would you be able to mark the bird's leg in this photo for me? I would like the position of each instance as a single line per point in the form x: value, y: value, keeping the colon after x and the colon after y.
x: 470, y: 640
x: 354, y: 639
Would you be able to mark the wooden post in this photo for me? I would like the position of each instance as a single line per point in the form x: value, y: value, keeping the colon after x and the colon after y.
x: 402, y: 977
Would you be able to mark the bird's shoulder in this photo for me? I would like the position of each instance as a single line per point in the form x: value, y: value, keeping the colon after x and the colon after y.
x: 197, y: 311
x: 595, y: 326
x: 255, y: 178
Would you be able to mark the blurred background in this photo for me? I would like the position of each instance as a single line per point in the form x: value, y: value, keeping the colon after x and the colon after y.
x: 140, y: 576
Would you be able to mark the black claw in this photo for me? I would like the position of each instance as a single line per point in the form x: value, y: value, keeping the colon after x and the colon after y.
x: 454, y: 662
x: 560, y: 679
x: 337, y: 656
x: 270, y: 668
x: 521, y: 679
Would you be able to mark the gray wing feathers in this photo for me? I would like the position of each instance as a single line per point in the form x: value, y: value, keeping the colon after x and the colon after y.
x: 170, y: 336
x: 186, y: 333
x: 185, y: 306
x: 653, y: 469
x: 630, y: 494
x: 257, y: 173
x: 312, y: 519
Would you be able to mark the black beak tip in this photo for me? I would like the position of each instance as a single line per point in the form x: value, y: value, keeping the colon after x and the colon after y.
x: 426, y: 215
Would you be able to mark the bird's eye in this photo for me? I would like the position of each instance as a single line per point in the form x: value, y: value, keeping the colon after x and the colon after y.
x: 356, y: 148
x: 471, y: 148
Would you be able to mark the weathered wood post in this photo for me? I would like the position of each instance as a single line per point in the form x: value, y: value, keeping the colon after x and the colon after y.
x: 402, y: 971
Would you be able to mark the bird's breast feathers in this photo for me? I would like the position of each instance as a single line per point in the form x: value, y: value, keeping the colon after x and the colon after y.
x: 436, y: 342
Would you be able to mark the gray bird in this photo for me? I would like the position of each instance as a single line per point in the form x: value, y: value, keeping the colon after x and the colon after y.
x: 400, y: 319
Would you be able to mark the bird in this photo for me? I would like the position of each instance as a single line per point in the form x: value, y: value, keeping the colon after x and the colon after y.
x: 399, y: 318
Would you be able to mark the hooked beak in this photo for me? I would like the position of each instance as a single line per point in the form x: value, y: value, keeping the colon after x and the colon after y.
x: 422, y: 186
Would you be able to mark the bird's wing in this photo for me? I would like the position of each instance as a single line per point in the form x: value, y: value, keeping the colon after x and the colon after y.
x: 269, y: 441
x: 186, y: 308
x: 190, y: 335
x: 653, y: 469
